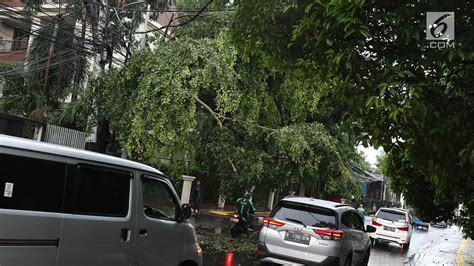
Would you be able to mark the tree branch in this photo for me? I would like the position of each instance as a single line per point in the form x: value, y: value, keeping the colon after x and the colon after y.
x: 211, y: 112
x: 180, y: 24
x: 219, y: 123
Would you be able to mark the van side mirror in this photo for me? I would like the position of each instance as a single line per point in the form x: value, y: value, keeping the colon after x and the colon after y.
x: 370, y: 229
x: 185, y: 211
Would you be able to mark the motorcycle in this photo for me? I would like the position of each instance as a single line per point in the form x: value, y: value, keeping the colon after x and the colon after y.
x: 241, y: 225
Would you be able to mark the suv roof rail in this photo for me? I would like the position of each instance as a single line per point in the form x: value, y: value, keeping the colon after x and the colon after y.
x: 342, y: 205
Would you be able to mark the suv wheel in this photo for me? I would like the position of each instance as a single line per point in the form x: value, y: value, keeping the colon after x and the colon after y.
x: 406, y: 246
x: 366, y: 258
x: 348, y: 261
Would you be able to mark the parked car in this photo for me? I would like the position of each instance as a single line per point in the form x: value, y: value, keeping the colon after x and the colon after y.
x: 393, y: 225
x: 64, y: 206
x: 310, y: 231
x: 441, y: 222
x: 417, y: 223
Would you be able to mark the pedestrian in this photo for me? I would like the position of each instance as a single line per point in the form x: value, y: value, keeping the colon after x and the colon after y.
x: 374, y: 207
x: 197, y: 195
x: 361, y: 211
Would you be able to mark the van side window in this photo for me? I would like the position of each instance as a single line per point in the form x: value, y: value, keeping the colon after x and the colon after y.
x: 98, y: 191
x: 31, y: 184
x: 158, y: 201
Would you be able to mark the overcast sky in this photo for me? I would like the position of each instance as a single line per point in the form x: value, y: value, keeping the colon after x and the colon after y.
x: 371, y: 154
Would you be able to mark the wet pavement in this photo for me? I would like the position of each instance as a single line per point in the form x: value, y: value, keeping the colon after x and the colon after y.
x: 437, y: 246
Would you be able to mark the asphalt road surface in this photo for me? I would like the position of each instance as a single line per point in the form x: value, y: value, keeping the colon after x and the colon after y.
x: 437, y: 246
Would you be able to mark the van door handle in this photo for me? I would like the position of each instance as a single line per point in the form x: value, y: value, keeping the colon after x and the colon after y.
x: 143, y: 232
x: 125, y: 235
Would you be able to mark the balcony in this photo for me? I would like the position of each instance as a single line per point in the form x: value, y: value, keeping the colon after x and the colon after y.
x: 13, y: 50
x: 11, y: 3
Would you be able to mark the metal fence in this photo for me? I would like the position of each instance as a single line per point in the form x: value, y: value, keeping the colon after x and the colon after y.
x: 65, y: 136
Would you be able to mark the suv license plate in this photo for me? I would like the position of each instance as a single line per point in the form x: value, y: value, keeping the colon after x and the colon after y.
x: 297, y: 238
x: 387, y: 228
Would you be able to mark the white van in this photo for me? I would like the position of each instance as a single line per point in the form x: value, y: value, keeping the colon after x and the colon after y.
x: 62, y: 206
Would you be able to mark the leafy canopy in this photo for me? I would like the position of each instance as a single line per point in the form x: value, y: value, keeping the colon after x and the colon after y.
x: 413, y: 100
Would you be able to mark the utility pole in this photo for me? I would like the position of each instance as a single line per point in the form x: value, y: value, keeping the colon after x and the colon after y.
x: 99, y: 58
x: 144, y: 28
x: 47, y: 91
x: 80, y: 66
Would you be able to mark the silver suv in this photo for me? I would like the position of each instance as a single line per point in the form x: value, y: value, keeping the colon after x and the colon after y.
x: 313, y: 232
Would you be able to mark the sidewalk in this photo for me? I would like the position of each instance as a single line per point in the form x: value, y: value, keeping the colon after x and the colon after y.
x: 221, y: 213
x: 468, y: 258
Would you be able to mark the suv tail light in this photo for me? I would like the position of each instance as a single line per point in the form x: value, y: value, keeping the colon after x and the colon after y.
x: 272, y: 223
x: 259, y: 251
x: 375, y: 223
x: 403, y: 228
x: 328, y: 234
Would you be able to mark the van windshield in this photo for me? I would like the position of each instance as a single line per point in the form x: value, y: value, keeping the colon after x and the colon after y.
x: 305, y: 214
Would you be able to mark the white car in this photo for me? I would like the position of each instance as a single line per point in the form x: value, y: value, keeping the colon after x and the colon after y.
x: 393, y: 226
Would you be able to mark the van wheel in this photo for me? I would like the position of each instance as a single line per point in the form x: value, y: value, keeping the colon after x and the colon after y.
x: 236, y: 231
x: 188, y: 263
x: 348, y: 261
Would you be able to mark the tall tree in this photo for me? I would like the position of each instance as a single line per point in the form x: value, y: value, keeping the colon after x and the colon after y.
x: 413, y: 100
x: 195, y: 99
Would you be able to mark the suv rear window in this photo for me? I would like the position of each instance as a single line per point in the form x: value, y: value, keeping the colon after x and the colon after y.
x: 306, y: 214
x: 391, y: 215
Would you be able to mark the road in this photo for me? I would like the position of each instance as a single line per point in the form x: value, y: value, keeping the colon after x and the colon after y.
x: 436, y: 246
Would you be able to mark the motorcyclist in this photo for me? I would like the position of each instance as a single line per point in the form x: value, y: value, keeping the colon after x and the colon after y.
x: 245, y: 208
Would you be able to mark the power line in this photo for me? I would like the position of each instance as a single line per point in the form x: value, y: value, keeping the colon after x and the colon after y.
x: 35, y: 64
x: 39, y: 32
x: 26, y: 84
x: 87, y: 51
x: 92, y: 41
x: 41, y: 27
x: 195, y: 16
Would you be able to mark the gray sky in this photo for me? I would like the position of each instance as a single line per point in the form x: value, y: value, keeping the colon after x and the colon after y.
x: 371, y: 153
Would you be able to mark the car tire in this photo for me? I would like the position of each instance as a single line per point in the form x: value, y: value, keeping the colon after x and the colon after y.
x: 348, y: 261
x: 236, y: 231
x: 406, y: 246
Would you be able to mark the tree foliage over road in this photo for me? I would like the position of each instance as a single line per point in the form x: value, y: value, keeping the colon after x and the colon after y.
x: 415, y: 101
x: 196, y: 99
